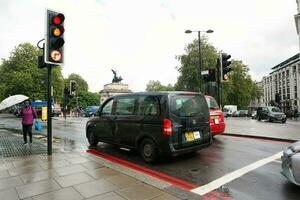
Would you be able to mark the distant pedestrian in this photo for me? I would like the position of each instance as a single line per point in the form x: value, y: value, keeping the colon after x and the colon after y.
x: 64, y: 111
x: 28, y: 114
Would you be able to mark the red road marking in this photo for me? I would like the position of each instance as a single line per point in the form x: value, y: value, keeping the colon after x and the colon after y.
x: 214, y: 195
x: 166, y: 178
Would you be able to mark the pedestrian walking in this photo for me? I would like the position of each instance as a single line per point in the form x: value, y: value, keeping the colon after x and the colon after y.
x: 28, y: 114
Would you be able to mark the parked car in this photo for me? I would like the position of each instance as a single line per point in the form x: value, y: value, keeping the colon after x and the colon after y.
x: 291, y: 163
x: 154, y: 123
x: 243, y: 113
x: 253, y: 114
x: 216, y: 122
x: 90, y: 110
x: 270, y: 114
x: 236, y: 113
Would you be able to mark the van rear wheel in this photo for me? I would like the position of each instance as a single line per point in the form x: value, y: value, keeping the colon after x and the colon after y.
x: 92, y: 138
x: 148, y: 150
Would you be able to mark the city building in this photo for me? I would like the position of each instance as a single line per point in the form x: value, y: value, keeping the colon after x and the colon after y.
x: 282, y: 86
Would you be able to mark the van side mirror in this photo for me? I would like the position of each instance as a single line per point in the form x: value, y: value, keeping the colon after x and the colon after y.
x: 97, y: 113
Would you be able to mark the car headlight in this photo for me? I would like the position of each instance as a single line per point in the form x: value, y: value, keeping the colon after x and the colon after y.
x: 283, y: 116
x: 272, y: 115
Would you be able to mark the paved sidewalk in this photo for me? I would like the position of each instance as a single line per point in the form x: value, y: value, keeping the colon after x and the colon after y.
x: 71, y: 175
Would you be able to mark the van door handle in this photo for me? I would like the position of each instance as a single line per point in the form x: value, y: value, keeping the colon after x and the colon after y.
x: 177, y: 126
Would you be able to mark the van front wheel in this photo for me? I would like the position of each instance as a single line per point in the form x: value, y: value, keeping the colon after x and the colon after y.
x: 92, y: 138
x: 148, y: 150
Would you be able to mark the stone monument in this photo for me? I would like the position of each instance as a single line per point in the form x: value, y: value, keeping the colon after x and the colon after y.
x: 114, y: 88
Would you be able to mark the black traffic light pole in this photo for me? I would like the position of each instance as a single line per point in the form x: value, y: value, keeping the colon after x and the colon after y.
x: 219, y: 80
x: 49, y: 110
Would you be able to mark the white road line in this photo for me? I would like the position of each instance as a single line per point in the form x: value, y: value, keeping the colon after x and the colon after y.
x: 278, y: 161
x: 234, y: 175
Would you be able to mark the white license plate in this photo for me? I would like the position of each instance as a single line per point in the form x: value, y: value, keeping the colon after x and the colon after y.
x: 216, y: 121
x: 197, y: 135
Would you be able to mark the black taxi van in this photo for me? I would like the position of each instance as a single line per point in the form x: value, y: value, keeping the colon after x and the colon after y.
x: 154, y: 123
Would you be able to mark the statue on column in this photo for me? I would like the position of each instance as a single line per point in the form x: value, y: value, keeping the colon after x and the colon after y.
x: 116, y: 79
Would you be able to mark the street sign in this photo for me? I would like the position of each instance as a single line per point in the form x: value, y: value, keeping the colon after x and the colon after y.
x: 205, y: 72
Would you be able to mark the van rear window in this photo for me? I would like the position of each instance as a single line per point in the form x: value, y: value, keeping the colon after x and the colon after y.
x: 188, y: 105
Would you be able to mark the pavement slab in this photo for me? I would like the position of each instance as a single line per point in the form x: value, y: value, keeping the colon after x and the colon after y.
x: 70, y: 169
x: 106, y: 196
x: 64, y: 194
x: 139, y: 192
x: 94, y: 188
x: 9, y: 194
x: 73, y: 179
x: 10, y: 182
x: 37, y: 188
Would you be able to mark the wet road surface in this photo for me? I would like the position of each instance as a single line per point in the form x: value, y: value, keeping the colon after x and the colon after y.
x: 225, y: 155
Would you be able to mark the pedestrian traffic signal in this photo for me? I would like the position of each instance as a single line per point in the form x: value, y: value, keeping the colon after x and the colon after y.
x: 210, y: 75
x: 73, y: 87
x: 225, y: 66
x: 54, y: 45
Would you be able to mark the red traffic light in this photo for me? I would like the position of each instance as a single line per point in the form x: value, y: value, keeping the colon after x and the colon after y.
x: 58, y: 19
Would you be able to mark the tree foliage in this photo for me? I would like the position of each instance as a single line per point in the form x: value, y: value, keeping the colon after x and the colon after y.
x: 85, y: 98
x: 19, y: 74
x: 154, y: 86
x: 188, y: 70
x: 82, y: 85
x: 239, y: 90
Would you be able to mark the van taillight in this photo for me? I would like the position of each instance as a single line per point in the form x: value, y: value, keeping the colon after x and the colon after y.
x: 167, y: 127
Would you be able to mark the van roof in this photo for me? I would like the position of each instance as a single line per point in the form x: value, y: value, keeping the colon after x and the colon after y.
x: 158, y: 93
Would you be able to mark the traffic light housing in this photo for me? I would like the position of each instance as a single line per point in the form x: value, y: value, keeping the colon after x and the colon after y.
x: 225, y: 62
x: 210, y: 75
x: 73, y: 87
x: 54, y: 36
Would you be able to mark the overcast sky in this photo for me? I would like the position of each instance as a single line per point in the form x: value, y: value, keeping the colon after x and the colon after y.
x: 140, y: 38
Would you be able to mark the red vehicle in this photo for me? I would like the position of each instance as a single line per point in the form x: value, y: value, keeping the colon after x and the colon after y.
x: 217, y: 124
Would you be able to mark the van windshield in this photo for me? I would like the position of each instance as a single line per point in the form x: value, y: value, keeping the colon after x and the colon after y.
x: 188, y: 105
x: 212, y: 103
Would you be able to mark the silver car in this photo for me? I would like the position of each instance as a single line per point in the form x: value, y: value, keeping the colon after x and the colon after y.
x: 291, y: 163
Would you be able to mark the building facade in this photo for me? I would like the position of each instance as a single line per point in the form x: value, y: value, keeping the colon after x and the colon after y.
x: 283, y: 82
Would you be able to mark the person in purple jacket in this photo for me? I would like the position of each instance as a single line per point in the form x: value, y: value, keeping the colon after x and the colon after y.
x: 28, y: 114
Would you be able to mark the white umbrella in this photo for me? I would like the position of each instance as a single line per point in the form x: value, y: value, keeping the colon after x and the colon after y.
x: 12, y: 100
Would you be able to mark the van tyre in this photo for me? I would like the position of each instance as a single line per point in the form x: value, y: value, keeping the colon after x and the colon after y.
x: 148, y: 150
x: 92, y: 138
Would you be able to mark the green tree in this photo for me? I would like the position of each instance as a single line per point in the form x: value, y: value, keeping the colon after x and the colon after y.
x: 85, y: 98
x: 153, y: 86
x: 19, y: 74
x: 240, y: 89
x: 82, y: 85
x: 188, y: 70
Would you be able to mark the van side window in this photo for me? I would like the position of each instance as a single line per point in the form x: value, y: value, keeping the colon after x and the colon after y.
x: 107, y: 109
x: 125, y: 106
x: 148, y: 106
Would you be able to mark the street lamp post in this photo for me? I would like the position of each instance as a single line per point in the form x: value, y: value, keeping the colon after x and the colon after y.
x: 199, y: 53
